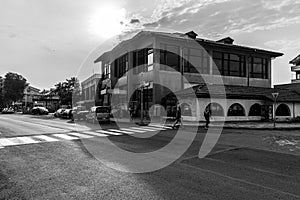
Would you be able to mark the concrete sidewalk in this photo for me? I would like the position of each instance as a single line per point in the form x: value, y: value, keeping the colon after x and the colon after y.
x: 232, y: 125
x: 249, y: 125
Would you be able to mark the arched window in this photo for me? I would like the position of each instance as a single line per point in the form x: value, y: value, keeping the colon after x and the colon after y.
x: 255, y: 110
x: 283, y: 110
x: 236, y: 110
x: 216, y: 109
x: 186, y: 109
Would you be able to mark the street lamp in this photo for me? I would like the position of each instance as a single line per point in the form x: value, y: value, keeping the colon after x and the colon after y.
x: 275, y: 96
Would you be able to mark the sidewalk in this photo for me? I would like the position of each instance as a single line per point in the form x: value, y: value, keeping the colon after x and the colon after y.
x: 250, y: 125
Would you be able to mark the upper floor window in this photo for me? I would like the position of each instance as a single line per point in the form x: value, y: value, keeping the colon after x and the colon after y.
x: 107, y: 70
x: 195, y: 61
x: 121, y: 65
x: 228, y: 64
x: 169, y: 57
x: 259, y: 68
x: 143, y: 60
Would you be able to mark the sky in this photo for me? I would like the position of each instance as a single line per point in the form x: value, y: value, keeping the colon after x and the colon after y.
x: 48, y: 41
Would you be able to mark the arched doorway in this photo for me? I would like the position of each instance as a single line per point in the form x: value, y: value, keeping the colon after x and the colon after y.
x: 283, y: 110
x: 255, y: 110
x: 236, y: 109
x: 186, y: 109
x: 216, y: 109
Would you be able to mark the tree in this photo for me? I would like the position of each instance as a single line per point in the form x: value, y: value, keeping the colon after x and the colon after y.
x: 13, y: 87
x: 65, y: 90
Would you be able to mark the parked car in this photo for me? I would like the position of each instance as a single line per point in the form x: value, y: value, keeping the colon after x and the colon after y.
x: 98, y: 113
x: 67, y: 114
x: 80, y: 112
x: 103, y: 113
x: 39, y: 110
x: 8, y: 111
x: 59, y: 112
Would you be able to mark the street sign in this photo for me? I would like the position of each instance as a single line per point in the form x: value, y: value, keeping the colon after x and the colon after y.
x: 275, y: 95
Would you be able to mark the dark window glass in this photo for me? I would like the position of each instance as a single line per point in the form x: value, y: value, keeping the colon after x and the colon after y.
x: 169, y: 57
x: 236, y: 110
x: 259, y: 68
x: 229, y: 64
x: 283, y: 110
x: 255, y: 110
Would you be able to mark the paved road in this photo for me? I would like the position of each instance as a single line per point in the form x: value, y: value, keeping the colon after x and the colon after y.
x: 59, y: 166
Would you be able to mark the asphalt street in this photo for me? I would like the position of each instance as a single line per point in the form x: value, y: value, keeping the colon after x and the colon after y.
x: 46, y: 158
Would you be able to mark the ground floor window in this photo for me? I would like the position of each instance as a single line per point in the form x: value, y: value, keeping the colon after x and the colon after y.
x: 283, y: 110
x: 236, y: 110
x: 255, y: 110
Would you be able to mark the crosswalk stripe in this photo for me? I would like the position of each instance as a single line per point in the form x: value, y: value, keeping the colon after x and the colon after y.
x: 108, y: 132
x: 160, y: 126
x: 27, y: 140
x: 66, y: 137
x: 155, y: 128
x: 145, y: 129
x: 120, y: 131
x: 46, y: 138
x: 80, y: 135
x: 132, y: 130
x: 95, y: 134
x: 7, y: 142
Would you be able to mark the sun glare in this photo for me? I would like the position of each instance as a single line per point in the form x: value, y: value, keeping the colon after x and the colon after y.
x: 107, y: 21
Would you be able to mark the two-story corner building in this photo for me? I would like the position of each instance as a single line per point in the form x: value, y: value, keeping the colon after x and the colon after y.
x: 155, y: 57
x: 293, y: 87
x: 89, y: 90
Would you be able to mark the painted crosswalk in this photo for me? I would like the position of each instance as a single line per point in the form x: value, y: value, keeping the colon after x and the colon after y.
x: 24, y: 140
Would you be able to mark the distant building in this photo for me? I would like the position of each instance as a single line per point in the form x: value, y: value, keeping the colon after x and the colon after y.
x: 245, y: 72
x: 89, y: 90
x: 294, y: 86
x: 29, y: 93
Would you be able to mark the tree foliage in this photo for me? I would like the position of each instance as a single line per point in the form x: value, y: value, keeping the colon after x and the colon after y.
x: 13, y: 87
x: 68, y: 90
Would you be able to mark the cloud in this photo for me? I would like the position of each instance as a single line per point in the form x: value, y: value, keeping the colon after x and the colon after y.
x: 284, y: 45
x: 214, y: 18
x: 152, y: 24
x: 134, y: 21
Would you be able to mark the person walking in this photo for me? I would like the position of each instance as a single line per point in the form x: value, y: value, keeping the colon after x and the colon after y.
x: 207, y: 115
x: 178, y: 118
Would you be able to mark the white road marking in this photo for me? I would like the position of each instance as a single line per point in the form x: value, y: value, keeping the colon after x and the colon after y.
x: 146, y: 129
x: 6, y: 142
x: 26, y: 140
x: 121, y: 131
x: 80, y: 135
x: 95, y: 134
x: 108, y: 132
x: 132, y: 130
x: 66, y: 137
x: 46, y: 138
x: 160, y: 126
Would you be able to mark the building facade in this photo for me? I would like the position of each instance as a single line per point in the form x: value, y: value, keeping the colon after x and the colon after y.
x: 293, y: 87
x: 89, y: 91
x: 187, y: 64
